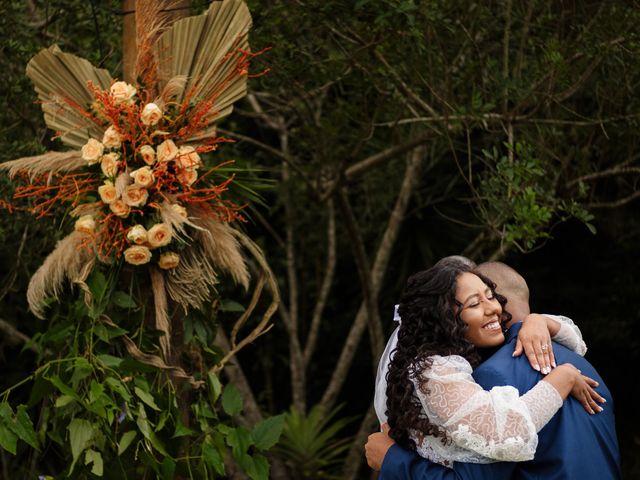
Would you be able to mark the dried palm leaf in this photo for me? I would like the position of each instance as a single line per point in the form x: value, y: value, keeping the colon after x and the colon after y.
x: 162, y: 315
x: 86, y: 209
x: 221, y: 247
x: 203, y: 49
x: 70, y: 260
x: 190, y: 283
x: 50, y: 162
x: 173, y: 88
x: 60, y: 79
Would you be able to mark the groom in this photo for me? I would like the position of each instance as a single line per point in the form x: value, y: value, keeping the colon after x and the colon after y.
x: 573, y: 445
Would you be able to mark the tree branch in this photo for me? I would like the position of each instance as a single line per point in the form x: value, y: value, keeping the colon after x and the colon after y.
x: 380, y: 265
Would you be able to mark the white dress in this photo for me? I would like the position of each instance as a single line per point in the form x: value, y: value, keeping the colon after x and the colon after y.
x: 482, y: 426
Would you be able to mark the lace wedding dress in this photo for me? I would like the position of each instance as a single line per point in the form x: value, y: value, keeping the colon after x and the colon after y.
x: 485, y: 426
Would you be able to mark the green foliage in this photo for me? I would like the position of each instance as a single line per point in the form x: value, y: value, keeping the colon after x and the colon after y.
x: 312, y: 445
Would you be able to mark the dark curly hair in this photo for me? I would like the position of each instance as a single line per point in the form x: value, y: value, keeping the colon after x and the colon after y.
x: 431, y: 325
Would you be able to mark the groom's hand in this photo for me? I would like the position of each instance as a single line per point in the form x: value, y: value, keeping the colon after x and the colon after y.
x: 377, y: 446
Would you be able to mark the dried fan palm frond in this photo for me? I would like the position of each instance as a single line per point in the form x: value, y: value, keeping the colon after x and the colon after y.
x: 60, y: 80
x: 190, y: 283
x: 204, y: 49
x: 70, y: 260
x: 173, y: 88
x: 221, y: 247
x: 50, y: 162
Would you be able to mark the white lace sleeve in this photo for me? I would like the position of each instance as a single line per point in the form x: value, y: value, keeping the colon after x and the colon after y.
x: 498, y: 424
x: 569, y: 334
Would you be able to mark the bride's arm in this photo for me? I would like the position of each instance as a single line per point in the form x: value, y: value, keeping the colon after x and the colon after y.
x: 499, y: 423
x: 534, y: 339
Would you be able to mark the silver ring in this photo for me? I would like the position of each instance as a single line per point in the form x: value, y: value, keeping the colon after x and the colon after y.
x: 544, y: 347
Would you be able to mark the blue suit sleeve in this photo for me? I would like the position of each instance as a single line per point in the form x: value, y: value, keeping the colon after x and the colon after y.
x: 400, y: 464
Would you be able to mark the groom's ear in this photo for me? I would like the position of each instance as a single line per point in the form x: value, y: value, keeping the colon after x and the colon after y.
x: 385, y: 428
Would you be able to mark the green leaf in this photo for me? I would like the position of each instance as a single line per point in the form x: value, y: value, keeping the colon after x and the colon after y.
x: 8, y: 439
x: 239, y: 439
x: 23, y: 427
x: 63, y: 400
x: 123, y: 300
x: 260, y: 468
x: 59, y: 384
x: 125, y: 441
x: 95, y: 391
x: 91, y: 456
x: 231, y: 401
x: 182, y: 431
x: 146, y: 398
x: 215, y: 387
x: 168, y: 468
x: 213, y: 458
x: 109, y: 360
x: 266, y: 434
x: 231, y: 306
x: 80, y: 436
x: 117, y: 386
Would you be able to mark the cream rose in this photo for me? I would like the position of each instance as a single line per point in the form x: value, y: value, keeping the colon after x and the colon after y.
x: 179, y: 209
x: 148, y: 154
x: 108, y: 192
x: 109, y: 164
x: 111, y: 138
x: 169, y: 260
x: 188, y: 157
x: 85, y: 224
x: 167, y: 150
x: 135, y: 196
x: 151, y: 114
x: 92, y: 151
x: 143, y: 177
x: 137, y: 234
x: 187, y: 176
x: 122, y: 92
x: 137, y: 255
x: 159, y: 235
x: 120, y: 208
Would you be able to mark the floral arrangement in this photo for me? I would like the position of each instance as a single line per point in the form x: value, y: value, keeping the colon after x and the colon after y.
x: 141, y: 181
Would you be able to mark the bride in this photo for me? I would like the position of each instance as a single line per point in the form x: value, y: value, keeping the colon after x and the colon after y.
x: 451, y: 317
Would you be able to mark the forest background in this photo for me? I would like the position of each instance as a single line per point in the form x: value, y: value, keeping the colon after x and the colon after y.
x: 391, y: 133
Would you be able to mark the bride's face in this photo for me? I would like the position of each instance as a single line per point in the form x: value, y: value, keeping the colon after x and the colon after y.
x: 481, y: 311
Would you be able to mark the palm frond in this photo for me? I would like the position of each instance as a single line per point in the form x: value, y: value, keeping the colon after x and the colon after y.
x: 50, y: 162
x: 60, y: 80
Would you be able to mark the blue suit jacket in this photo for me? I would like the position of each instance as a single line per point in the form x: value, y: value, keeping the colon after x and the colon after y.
x: 573, y: 445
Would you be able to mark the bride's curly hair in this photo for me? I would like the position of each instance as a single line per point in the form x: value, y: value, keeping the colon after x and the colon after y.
x: 431, y: 325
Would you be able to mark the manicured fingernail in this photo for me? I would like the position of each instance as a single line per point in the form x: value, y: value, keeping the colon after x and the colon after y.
x: 597, y: 384
x: 553, y: 364
x: 600, y: 409
x: 604, y: 400
x: 536, y: 367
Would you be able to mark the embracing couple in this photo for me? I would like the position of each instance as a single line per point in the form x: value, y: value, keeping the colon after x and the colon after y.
x: 474, y: 386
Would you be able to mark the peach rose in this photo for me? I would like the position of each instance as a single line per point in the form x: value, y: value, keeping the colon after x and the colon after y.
x: 169, y: 260
x: 109, y: 164
x: 187, y: 176
x: 188, y: 157
x: 137, y: 234
x: 143, y: 177
x: 148, y: 154
x: 159, y: 235
x: 85, y: 224
x: 135, y: 196
x: 137, y: 255
x: 167, y: 150
x: 120, y: 208
x: 151, y: 114
x: 111, y: 138
x: 108, y: 192
x: 122, y: 92
x: 179, y: 209
x: 92, y: 151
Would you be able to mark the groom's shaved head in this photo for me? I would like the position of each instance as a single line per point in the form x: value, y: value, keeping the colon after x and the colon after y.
x: 508, y: 282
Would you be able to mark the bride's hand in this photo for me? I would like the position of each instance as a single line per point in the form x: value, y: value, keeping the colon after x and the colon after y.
x: 534, y: 339
x: 583, y: 391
